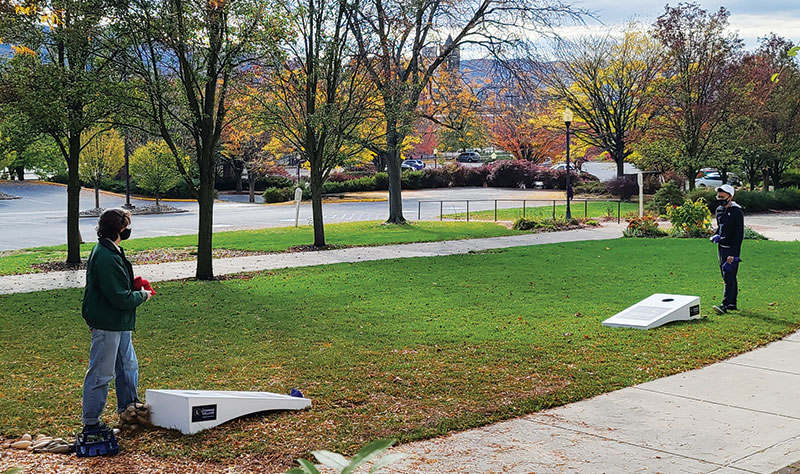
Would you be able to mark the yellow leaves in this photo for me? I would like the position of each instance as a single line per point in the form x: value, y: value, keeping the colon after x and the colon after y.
x: 22, y: 50
x: 23, y: 10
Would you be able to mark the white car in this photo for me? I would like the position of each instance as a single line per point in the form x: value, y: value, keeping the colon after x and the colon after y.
x: 714, y: 180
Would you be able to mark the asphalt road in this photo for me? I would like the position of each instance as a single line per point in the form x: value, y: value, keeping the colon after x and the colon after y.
x: 39, y: 217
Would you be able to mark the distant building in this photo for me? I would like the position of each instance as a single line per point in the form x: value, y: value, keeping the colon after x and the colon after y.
x: 453, y: 61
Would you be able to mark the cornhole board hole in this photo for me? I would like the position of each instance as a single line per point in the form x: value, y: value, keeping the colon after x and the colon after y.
x: 190, y: 411
x: 657, y: 310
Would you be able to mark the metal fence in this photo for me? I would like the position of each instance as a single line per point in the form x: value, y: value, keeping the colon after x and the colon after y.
x: 575, y: 206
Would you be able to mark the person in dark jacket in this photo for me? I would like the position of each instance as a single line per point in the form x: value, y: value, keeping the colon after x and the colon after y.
x: 109, y: 308
x: 728, y: 237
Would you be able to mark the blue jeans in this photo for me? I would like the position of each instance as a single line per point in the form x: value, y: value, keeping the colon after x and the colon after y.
x: 111, y: 357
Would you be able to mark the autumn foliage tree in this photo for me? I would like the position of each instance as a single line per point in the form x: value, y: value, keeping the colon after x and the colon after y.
x: 101, y: 159
x: 696, y: 89
x: 180, y: 58
x: 59, y: 77
x: 451, y: 103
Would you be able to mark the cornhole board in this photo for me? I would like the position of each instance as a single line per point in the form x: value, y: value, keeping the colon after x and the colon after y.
x: 657, y: 310
x: 190, y: 411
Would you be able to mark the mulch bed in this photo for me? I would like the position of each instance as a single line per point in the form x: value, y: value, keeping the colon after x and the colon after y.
x: 138, y: 211
x: 148, y: 257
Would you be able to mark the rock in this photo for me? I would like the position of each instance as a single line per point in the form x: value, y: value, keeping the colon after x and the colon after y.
x: 26, y: 437
x: 42, y: 442
x: 21, y: 444
x: 40, y: 437
x: 142, y: 420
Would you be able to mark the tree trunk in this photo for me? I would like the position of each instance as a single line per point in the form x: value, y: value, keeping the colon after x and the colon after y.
x: 619, y: 159
x: 765, y: 171
x: 691, y: 175
x: 20, y: 173
x: 205, y: 270
x: 97, y: 195
x: 316, y: 209
x: 73, y: 200
x: 251, y: 184
x: 395, y: 195
x: 157, y: 196
x: 237, y: 170
x: 391, y: 157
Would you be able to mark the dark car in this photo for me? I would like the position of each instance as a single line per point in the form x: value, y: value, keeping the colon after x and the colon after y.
x: 412, y: 165
x: 469, y: 157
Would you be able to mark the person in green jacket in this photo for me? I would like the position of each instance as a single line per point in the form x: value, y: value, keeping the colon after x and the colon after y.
x: 109, y: 308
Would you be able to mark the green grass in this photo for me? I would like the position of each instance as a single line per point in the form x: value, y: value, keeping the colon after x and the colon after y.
x: 273, y: 240
x: 409, y: 348
x: 578, y: 209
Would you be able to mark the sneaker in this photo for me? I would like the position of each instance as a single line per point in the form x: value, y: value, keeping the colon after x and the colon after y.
x: 95, y: 428
x: 720, y: 309
x: 731, y: 308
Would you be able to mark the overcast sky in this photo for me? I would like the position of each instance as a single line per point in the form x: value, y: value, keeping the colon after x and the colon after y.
x: 750, y: 18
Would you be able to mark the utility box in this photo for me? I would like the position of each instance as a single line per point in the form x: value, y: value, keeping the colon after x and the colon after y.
x: 190, y: 411
x: 657, y: 310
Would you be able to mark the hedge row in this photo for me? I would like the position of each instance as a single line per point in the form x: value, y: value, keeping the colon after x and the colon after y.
x: 783, y: 199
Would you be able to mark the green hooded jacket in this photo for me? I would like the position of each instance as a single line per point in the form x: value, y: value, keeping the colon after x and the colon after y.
x: 109, y: 300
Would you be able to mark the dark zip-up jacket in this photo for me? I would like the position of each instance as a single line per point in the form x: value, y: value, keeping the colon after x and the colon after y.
x: 730, y: 228
x: 109, y: 300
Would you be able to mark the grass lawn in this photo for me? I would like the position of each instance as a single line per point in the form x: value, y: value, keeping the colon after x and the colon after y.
x: 577, y: 208
x: 274, y: 239
x: 409, y: 348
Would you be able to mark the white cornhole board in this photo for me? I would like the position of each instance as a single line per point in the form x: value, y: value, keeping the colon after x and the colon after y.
x: 190, y: 411
x: 657, y: 310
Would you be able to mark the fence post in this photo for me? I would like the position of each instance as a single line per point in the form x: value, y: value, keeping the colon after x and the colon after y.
x: 523, y: 208
x: 554, y: 209
x: 419, y: 209
x: 619, y: 210
x: 586, y: 208
x: 441, y: 210
x: 495, y: 210
x: 467, y: 210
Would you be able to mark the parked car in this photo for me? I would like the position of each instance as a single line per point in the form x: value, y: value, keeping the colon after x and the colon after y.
x: 713, y: 179
x: 469, y: 157
x: 563, y: 166
x: 414, y: 165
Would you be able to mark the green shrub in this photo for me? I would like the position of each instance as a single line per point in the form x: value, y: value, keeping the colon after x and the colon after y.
x: 783, y: 199
x: 750, y: 234
x: 590, y: 187
x: 272, y: 181
x: 668, y: 195
x: 524, y: 223
x: 645, y: 226
x: 411, y: 179
x: 791, y: 178
x: 381, y: 181
x: 278, y: 194
x: 592, y: 222
x: 690, y: 219
x: 364, y: 183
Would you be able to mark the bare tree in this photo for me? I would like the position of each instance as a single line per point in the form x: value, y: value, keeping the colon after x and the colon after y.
x: 402, y: 43
x: 608, y: 82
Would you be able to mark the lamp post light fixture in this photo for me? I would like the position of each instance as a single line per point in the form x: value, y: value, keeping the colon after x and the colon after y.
x: 567, y: 116
x: 435, y: 157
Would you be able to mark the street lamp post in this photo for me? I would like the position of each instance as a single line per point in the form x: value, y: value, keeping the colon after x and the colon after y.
x: 567, y: 116
x: 435, y: 158
x: 126, y: 151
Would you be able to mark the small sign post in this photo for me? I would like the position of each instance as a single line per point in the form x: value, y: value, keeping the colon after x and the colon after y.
x: 298, y: 196
x: 640, y: 179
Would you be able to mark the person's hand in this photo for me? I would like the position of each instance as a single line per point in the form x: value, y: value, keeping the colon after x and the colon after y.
x: 714, y: 238
x: 730, y: 259
x: 149, y: 295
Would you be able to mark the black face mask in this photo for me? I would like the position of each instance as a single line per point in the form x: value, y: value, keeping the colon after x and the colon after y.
x: 125, y: 234
x: 723, y: 202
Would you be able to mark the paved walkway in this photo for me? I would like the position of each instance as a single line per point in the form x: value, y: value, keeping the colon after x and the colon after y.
x: 736, y: 416
x: 177, y: 270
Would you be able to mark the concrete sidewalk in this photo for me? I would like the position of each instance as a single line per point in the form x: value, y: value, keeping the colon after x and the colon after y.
x: 736, y: 416
x: 31, y: 282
